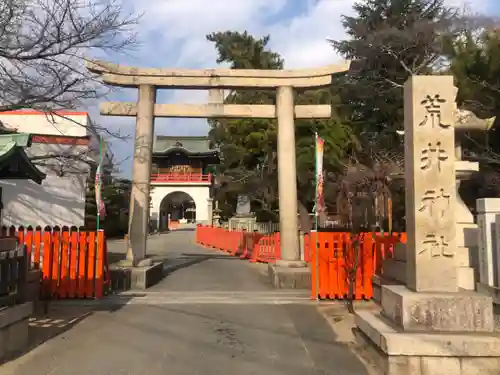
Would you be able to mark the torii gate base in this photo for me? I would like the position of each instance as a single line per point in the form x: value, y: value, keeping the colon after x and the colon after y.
x: 290, y: 271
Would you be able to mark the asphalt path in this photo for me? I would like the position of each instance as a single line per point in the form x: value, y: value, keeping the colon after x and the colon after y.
x: 211, y: 314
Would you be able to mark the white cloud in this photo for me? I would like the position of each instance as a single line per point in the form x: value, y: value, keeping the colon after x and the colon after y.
x: 303, y: 39
x: 178, y: 27
x: 173, y: 35
x: 185, y: 23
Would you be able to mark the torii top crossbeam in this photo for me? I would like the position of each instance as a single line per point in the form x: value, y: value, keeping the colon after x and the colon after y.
x: 118, y: 75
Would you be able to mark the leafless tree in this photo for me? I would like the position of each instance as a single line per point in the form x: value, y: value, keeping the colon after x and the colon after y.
x: 42, y: 48
x: 43, y: 45
x: 417, y: 47
x: 368, y: 181
x: 260, y: 184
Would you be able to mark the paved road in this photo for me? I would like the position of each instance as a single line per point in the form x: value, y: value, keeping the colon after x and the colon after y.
x: 212, y: 315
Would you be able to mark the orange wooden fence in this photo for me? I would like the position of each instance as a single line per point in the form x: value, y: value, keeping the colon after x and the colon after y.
x: 332, y: 256
x: 335, y: 263
x: 173, y: 224
x: 73, y: 263
x: 256, y: 247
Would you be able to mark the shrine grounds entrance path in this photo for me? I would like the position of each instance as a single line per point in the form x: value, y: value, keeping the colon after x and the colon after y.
x: 211, y: 315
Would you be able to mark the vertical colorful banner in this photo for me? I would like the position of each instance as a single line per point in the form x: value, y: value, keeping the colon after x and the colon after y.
x: 101, y: 209
x: 320, y: 201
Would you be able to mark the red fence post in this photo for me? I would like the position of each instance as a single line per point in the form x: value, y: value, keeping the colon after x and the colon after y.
x: 56, y: 245
x: 367, y: 266
x: 20, y: 239
x: 28, y: 243
x: 64, y: 274
x: 314, y: 269
x: 48, y: 255
x: 73, y: 265
x: 82, y: 264
x: 99, y: 272
x: 89, y: 284
x: 37, y: 245
x: 341, y: 249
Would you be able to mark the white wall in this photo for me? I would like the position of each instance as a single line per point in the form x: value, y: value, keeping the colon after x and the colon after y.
x: 200, y: 195
x: 71, y: 124
x: 58, y: 200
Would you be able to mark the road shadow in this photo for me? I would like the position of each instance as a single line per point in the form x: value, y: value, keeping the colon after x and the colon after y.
x: 186, y: 260
x: 53, y: 318
x: 115, y: 257
x: 55, y: 321
x: 121, y: 276
x: 117, y: 247
x: 209, y: 256
x: 178, y: 230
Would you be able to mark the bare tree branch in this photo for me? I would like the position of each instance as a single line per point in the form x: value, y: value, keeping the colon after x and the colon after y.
x: 42, y: 46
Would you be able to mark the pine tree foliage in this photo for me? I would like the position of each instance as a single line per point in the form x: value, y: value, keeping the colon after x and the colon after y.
x: 390, y: 40
x: 249, y: 146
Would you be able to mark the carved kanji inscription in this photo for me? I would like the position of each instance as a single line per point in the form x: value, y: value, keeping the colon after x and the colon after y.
x: 432, y: 105
x: 436, y: 246
x: 432, y: 154
x: 435, y: 202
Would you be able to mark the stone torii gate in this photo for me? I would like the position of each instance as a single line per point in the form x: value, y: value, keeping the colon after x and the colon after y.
x: 148, y: 80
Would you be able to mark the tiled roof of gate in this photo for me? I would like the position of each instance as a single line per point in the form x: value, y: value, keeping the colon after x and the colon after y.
x: 194, y: 145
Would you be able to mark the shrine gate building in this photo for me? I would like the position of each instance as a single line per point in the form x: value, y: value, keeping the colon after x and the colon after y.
x: 181, y: 182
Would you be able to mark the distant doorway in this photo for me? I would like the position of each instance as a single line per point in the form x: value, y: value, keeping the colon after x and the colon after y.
x: 176, y: 208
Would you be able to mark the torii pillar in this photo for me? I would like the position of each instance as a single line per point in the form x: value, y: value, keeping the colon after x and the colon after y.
x: 138, y: 221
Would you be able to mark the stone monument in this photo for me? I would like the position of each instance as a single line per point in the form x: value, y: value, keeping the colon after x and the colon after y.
x: 427, y: 326
x: 210, y: 210
x: 243, y: 219
x: 243, y: 206
x: 216, y: 214
x: 468, y: 254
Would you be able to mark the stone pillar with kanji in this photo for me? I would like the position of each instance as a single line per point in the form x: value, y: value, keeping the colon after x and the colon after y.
x: 429, y: 325
x: 430, y: 187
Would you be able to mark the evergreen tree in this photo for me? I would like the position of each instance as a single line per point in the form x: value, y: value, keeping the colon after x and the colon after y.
x: 390, y: 41
x: 248, y: 146
x: 475, y: 63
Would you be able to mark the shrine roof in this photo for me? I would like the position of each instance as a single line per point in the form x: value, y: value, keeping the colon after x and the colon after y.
x: 194, y: 146
x: 14, y: 163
